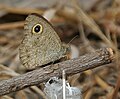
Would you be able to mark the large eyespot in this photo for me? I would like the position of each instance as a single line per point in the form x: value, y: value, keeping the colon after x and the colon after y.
x: 37, y: 29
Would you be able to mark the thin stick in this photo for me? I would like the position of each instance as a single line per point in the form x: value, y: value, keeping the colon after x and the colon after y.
x: 89, y: 61
x: 12, y: 25
x: 20, y: 10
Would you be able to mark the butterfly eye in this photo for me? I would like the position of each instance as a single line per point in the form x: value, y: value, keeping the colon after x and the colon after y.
x: 37, y: 29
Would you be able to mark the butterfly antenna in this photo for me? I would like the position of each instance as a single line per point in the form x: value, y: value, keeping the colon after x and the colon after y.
x: 72, y: 39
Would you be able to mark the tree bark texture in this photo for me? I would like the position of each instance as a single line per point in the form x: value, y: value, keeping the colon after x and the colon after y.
x: 88, y: 61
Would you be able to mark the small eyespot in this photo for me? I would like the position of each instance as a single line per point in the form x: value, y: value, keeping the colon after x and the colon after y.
x: 37, y: 29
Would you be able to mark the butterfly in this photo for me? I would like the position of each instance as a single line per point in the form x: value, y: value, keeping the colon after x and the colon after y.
x: 41, y: 44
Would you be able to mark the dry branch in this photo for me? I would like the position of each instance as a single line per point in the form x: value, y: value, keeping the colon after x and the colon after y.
x: 18, y: 10
x: 12, y: 25
x: 88, y: 61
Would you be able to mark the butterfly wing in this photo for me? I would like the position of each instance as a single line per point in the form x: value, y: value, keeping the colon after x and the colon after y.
x: 40, y: 48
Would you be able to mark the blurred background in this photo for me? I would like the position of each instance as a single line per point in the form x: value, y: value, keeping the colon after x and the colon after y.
x: 86, y: 25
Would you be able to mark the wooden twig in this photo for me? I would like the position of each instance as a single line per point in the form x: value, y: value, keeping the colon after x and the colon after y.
x: 88, y: 61
x: 18, y: 10
x: 13, y: 25
x: 114, y: 96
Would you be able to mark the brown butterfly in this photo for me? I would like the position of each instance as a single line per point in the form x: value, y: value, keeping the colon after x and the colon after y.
x: 41, y: 44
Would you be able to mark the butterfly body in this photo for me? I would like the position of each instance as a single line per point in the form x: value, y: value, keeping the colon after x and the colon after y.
x: 41, y: 44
